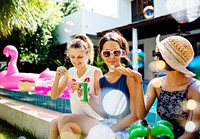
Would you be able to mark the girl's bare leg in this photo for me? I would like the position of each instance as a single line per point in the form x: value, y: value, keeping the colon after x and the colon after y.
x: 53, y: 131
x: 71, y: 131
x: 73, y: 125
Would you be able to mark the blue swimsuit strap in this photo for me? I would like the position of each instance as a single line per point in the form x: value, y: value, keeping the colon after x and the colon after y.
x: 191, y: 83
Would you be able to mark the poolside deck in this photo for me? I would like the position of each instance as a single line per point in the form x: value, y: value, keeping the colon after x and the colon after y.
x: 35, y: 112
x: 26, y: 116
x: 37, y: 119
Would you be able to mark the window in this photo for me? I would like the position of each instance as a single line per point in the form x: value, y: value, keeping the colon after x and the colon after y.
x: 137, y: 9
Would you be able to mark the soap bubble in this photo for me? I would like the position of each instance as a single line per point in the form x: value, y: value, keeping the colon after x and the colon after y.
x: 68, y: 26
x: 112, y: 68
x: 190, y: 126
x: 191, y: 104
x: 114, y: 102
x: 184, y: 11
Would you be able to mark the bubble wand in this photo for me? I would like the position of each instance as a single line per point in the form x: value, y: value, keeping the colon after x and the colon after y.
x: 68, y: 77
x: 69, y: 82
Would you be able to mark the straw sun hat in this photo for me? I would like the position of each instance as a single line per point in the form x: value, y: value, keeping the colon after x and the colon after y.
x: 177, y: 52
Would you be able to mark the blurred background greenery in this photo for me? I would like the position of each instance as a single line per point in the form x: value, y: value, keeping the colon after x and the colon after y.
x: 30, y: 27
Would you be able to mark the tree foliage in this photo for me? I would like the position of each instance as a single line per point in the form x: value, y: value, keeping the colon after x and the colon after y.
x: 27, y: 14
x: 29, y: 25
x: 70, y: 7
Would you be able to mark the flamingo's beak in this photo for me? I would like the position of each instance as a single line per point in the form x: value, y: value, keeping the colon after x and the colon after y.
x: 5, y: 52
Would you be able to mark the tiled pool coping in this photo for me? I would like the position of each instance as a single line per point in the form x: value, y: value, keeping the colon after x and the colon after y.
x: 28, y: 117
x: 60, y: 104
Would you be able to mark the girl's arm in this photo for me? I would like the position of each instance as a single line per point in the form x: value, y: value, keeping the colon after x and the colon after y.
x: 60, y: 82
x: 150, y: 94
x: 142, y: 103
x: 194, y: 115
x: 95, y: 96
x: 138, y: 89
x: 131, y: 118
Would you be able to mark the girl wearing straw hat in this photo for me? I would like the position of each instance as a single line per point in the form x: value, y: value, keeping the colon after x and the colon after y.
x: 177, y: 92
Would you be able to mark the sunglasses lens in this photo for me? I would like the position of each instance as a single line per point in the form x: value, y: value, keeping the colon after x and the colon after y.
x: 153, y: 53
x: 117, y: 53
x: 106, y: 53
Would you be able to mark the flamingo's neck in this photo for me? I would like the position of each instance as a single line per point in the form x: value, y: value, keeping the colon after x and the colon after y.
x: 12, y: 65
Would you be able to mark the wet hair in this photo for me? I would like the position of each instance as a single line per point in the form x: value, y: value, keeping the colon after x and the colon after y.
x: 82, y: 40
x: 117, y: 37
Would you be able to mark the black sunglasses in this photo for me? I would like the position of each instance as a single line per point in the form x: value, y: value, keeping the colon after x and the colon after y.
x: 157, y: 54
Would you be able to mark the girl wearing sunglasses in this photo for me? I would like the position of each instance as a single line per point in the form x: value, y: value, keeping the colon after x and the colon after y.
x: 112, y: 47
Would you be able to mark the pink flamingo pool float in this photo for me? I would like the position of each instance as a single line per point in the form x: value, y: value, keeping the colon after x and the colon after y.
x: 11, y: 77
x: 14, y: 80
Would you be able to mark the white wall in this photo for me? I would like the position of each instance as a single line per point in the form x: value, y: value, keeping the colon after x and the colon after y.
x: 164, y: 7
x: 89, y: 22
x: 160, y: 8
x: 149, y: 46
x: 124, y: 12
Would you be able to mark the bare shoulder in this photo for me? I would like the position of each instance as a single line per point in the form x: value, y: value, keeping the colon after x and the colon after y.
x: 98, y: 71
x: 156, y: 82
x: 154, y: 86
x: 195, y: 86
x: 193, y: 90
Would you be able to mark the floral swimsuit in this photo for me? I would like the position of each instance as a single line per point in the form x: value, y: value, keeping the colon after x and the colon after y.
x: 169, y: 107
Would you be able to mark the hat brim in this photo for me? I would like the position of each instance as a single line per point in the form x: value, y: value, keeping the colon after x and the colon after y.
x: 172, y: 61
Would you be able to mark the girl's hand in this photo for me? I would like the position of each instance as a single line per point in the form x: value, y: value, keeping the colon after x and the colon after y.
x: 75, y: 86
x: 129, y: 72
x: 94, y: 98
x: 61, y: 71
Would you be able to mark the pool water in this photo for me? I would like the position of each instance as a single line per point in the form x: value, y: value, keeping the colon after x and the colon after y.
x: 152, y: 116
x: 60, y: 104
